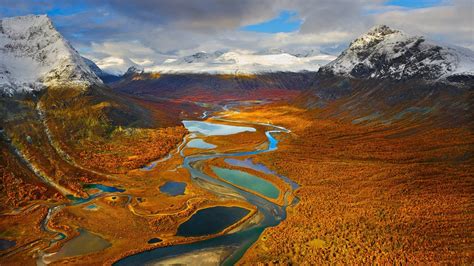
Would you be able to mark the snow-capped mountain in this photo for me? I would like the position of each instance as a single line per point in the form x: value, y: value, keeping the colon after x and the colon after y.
x: 387, y: 53
x: 244, y: 62
x: 133, y: 70
x: 34, y: 55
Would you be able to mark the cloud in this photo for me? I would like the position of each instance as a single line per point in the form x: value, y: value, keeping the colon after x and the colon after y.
x: 119, y: 33
x: 451, y: 23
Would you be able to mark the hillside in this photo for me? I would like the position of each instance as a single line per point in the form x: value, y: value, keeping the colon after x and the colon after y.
x: 59, y: 122
x: 218, y: 87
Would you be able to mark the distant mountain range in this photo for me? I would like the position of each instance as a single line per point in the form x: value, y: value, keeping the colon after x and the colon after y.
x: 244, y: 62
x: 35, y: 55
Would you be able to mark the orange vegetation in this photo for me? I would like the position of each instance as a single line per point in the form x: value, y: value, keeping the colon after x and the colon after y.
x: 125, y: 152
x: 370, y: 194
x: 151, y: 75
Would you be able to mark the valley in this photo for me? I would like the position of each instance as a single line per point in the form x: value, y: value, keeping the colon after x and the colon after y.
x: 133, y: 199
x: 267, y: 157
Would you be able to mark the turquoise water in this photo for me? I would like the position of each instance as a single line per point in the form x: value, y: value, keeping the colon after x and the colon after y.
x: 103, y: 188
x: 200, y: 144
x: 210, y: 129
x: 211, y: 220
x: 244, y: 179
x: 238, y: 242
x: 92, y: 207
x: 247, y: 163
x: 173, y: 188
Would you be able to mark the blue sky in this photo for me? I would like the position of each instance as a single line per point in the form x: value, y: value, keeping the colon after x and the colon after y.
x: 287, y: 21
x: 290, y: 21
x: 415, y: 3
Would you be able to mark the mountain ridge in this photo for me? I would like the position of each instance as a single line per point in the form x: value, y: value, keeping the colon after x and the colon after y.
x: 383, y: 52
x: 35, y: 55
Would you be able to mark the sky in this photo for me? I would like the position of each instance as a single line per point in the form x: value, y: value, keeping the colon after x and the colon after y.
x: 116, y: 33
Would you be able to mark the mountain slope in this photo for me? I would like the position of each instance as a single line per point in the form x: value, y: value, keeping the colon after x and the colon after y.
x: 386, y: 53
x: 58, y: 121
x: 35, y: 55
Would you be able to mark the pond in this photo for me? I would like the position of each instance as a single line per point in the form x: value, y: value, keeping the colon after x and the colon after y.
x: 249, y: 181
x: 6, y: 244
x: 211, y: 129
x: 173, y: 188
x: 154, y: 240
x: 200, y: 144
x: 85, y: 243
x: 211, y: 220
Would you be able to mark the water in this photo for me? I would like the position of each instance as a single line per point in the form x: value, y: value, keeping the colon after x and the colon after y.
x: 247, y: 163
x: 6, y: 244
x: 85, y: 243
x: 238, y: 242
x: 173, y: 188
x: 211, y: 220
x: 154, y: 240
x: 200, y: 144
x: 92, y: 207
x: 103, y: 188
x: 211, y: 129
x: 244, y: 179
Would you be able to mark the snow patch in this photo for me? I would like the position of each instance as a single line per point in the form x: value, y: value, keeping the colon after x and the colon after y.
x: 243, y: 62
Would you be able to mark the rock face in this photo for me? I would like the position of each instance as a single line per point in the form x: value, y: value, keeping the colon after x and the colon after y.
x: 34, y: 55
x: 385, y: 53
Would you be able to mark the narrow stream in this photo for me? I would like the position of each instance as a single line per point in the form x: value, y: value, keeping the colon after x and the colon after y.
x: 226, y: 249
x: 235, y: 243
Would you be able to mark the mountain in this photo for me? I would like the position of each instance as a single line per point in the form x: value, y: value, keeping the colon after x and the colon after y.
x: 386, y: 75
x: 35, y: 55
x: 103, y: 75
x: 133, y: 70
x: 244, y: 62
x: 195, y: 58
x: 387, y: 53
x: 214, y: 87
x: 57, y: 118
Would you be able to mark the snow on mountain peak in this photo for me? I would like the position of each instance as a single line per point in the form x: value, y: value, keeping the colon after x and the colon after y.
x: 244, y: 62
x: 133, y: 70
x: 34, y: 55
x: 386, y: 53
x: 374, y: 36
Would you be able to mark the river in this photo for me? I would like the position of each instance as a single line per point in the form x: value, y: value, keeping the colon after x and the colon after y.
x: 237, y: 242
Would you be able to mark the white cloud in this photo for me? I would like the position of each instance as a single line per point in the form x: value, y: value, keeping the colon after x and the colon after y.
x: 117, y: 34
